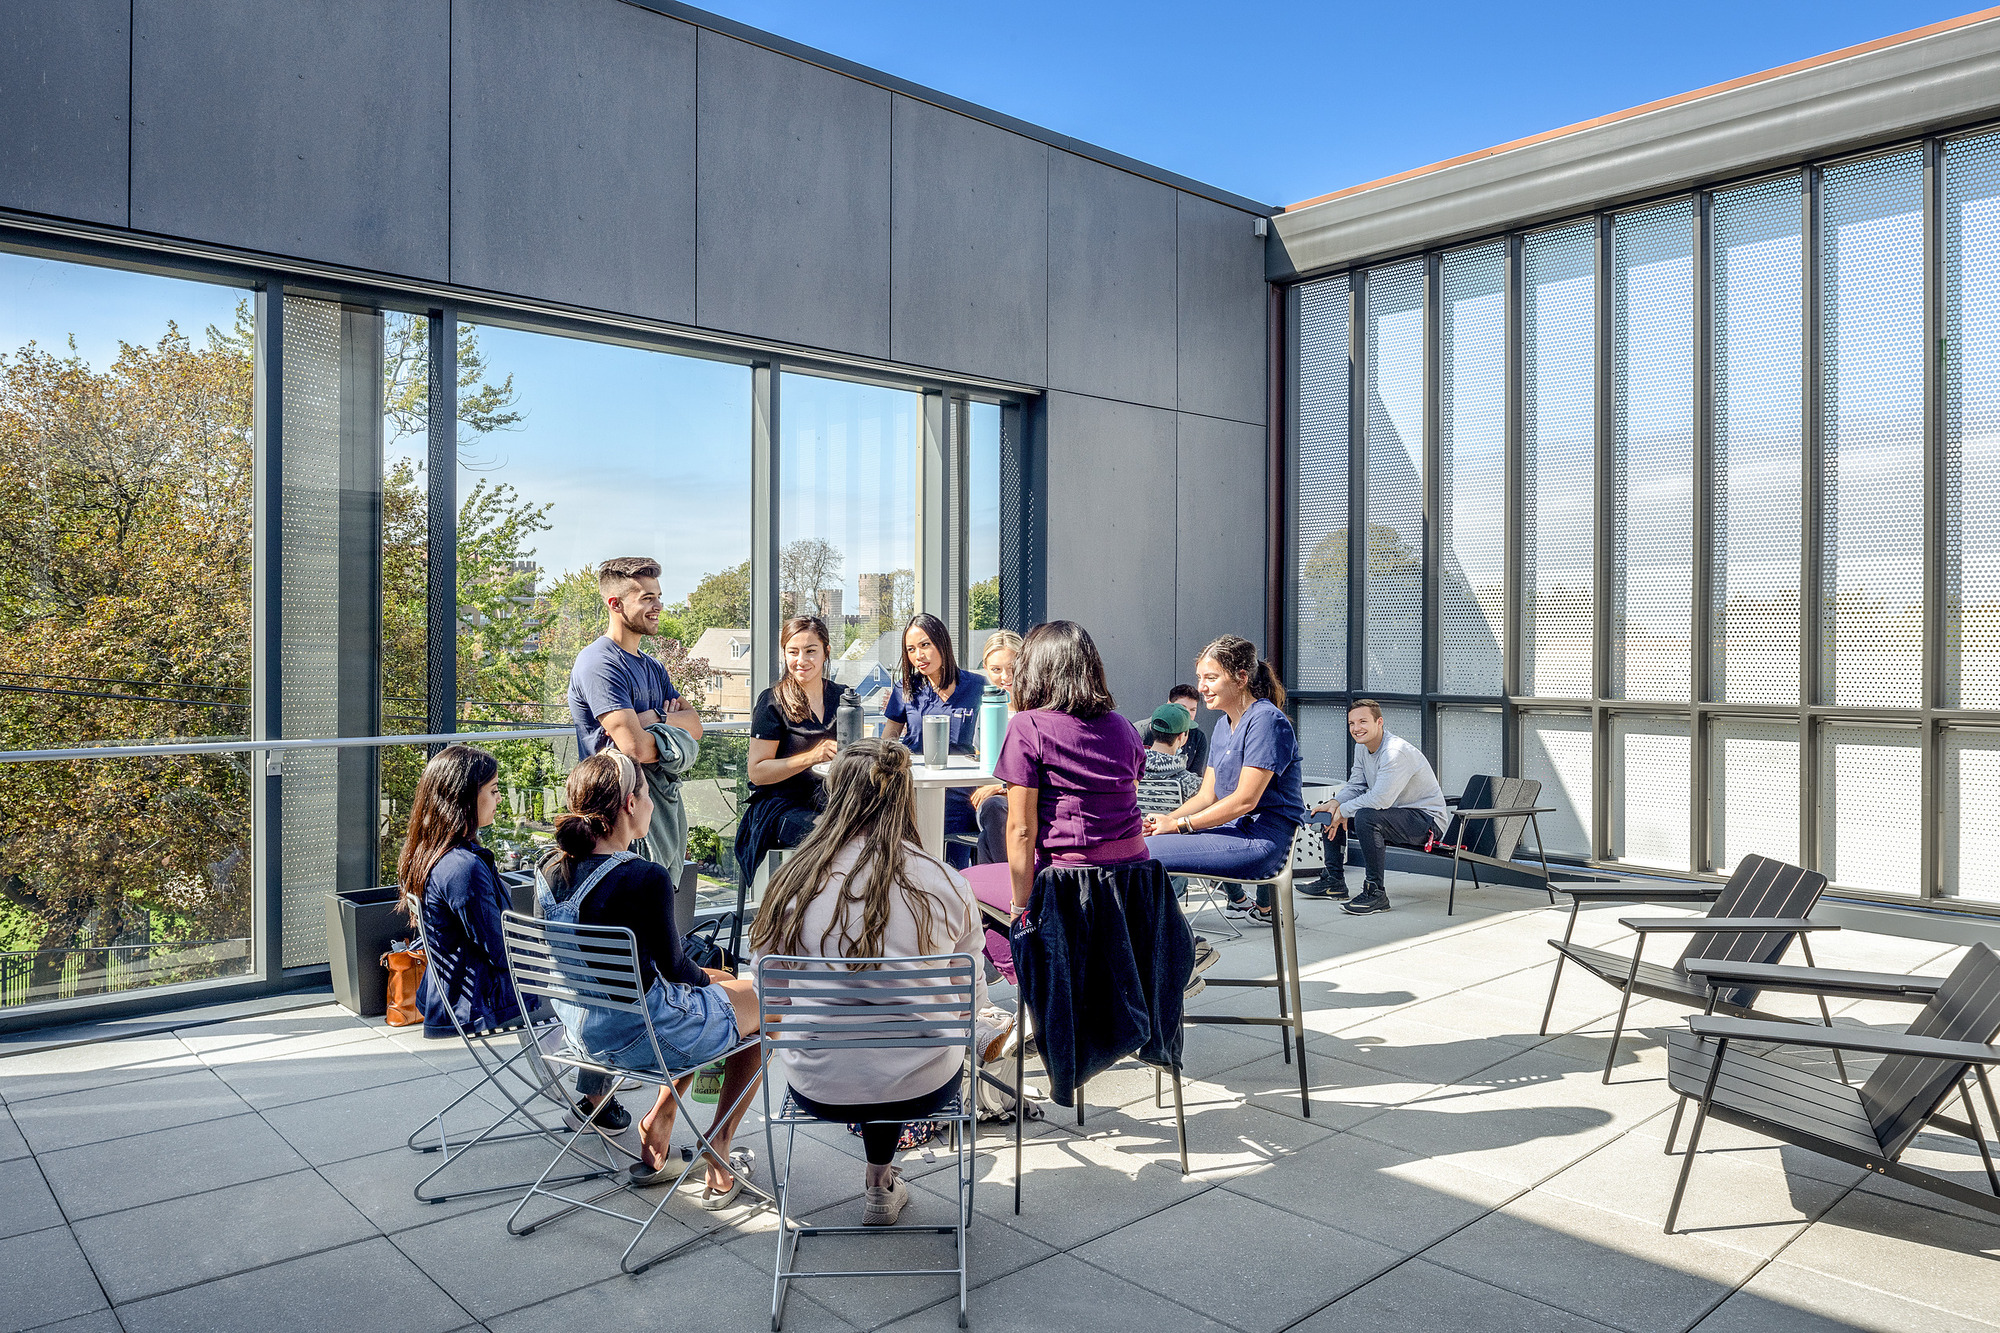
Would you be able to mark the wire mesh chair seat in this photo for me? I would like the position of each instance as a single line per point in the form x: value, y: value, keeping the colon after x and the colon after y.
x: 854, y: 1004
x: 597, y: 967
x: 523, y: 1080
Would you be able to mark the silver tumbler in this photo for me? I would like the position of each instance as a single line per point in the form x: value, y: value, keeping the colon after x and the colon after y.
x: 937, y: 740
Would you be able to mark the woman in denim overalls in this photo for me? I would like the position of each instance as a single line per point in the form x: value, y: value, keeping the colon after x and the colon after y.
x: 697, y: 1015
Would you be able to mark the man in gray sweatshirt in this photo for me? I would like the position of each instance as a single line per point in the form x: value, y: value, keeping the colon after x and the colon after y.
x: 1391, y: 796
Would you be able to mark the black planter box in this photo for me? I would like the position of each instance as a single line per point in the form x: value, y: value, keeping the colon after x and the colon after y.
x: 361, y: 924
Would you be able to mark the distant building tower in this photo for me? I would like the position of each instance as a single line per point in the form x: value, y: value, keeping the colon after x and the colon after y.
x: 874, y: 596
x: 829, y: 604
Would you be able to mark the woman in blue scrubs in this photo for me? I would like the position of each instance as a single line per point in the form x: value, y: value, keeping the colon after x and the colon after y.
x: 933, y: 684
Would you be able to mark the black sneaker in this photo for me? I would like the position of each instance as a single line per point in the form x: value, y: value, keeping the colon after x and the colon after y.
x: 1331, y: 884
x: 612, y: 1119
x: 1238, y: 906
x: 1373, y: 898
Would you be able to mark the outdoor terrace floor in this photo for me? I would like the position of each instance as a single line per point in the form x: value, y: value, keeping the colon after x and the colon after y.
x: 1458, y: 1171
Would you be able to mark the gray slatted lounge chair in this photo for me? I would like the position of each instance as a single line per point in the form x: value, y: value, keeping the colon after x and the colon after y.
x: 1488, y: 831
x: 1870, y: 1126
x: 1755, y: 918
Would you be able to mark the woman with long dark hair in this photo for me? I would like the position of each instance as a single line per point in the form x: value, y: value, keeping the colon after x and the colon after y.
x: 1240, y: 824
x: 591, y: 878
x: 791, y: 729
x: 450, y: 884
x: 933, y: 684
x: 861, y: 886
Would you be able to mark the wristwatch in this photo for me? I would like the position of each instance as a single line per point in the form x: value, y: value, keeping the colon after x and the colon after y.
x: 1185, y: 824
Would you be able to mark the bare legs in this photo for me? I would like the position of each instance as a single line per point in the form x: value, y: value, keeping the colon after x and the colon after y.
x: 739, y: 1078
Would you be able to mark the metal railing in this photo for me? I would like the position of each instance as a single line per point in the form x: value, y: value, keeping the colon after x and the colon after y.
x: 280, y: 746
x: 113, y: 967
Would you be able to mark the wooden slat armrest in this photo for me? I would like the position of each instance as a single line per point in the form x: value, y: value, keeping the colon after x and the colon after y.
x: 1619, y: 893
x: 1841, y: 1039
x: 1715, y: 925
x: 1507, y: 812
x: 1814, y: 980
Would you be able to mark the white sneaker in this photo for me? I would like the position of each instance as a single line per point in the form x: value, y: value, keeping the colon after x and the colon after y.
x: 885, y: 1203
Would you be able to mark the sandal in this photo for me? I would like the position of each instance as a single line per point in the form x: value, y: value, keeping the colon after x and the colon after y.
x: 739, y: 1171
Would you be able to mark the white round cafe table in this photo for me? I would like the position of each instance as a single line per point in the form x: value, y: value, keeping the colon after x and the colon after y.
x: 962, y: 770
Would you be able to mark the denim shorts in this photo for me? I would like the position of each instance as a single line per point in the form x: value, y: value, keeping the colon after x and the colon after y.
x: 695, y: 1025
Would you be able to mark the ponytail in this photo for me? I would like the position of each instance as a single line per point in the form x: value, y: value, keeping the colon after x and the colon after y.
x: 1238, y: 656
x: 596, y: 793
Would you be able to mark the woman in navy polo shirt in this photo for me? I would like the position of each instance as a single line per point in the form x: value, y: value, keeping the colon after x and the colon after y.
x: 1240, y: 824
x: 933, y: 684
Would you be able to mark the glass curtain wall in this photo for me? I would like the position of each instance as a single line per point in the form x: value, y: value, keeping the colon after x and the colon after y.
x: 126, y: 408
x: 1647, y: 435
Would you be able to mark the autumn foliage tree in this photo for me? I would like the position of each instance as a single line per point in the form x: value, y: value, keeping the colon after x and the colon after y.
x: 124, y: 579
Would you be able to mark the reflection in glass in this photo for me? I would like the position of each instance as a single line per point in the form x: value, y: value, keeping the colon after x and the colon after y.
x: 1872, y: 432
x: 1393, y: 586
x: 848, y: 520
x: 1558, y: 449
x: 1652, y: 449
x: 125, y: 485
x: 1472, y: 590
x: 1754, y: 491
x: 982, y: 561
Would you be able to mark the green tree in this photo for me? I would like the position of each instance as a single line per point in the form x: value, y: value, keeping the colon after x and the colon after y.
x: 721, y: 599
x: 986, y: 603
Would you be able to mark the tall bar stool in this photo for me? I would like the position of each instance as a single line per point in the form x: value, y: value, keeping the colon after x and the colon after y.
x: 1285, y: 947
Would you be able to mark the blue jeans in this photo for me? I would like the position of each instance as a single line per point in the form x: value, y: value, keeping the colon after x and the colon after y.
x: 1252, y: 847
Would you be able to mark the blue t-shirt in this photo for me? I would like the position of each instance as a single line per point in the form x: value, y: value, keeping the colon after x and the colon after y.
x: 963, y: 706
x: 605, y: 679
x: 1261, y: 738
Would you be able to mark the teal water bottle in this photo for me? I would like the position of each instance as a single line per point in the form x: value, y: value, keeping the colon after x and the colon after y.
x: 992, y: 725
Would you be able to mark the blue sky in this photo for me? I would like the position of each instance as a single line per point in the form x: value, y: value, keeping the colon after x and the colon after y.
x: 1285, y: 100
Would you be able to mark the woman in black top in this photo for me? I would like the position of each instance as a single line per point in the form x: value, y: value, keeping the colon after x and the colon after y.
x: 791, y: 729
x: 696, y: 1015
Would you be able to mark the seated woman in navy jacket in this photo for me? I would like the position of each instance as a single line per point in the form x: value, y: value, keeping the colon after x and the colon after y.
x: 453, y: 882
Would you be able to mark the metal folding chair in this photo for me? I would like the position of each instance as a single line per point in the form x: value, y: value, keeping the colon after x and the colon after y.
x: 853, y: 1004
x: 597, y: 967
x: 1210, y: 890
x: 528, y: 1086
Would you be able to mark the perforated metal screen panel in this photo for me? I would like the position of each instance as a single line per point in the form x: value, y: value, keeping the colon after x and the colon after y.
x: 1872, y: 436
x: 1322, y: 730
x: 1405, y: 720
x: 1972, y: 423
x: 1468, y: 746
x: 1870, y: 807
x: 1652, y: 443
x: 1970, y: 806
x: 1393, y: 579
x: 1558, y: 448
x: 1325, y: 372
x: 1753, y: 791
x: 309, y: 640
x: 1754, y: 471
x: 1648, y: 787
x: 1556, y: 752
x: 1471, y: 471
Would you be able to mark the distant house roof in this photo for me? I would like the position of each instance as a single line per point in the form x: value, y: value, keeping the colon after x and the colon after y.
x: 727, y: 650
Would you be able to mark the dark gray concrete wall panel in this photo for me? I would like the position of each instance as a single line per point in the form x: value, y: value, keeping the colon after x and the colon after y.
x: 573, y: 154
x: 1947, y: 79
x: 1112, y: 286
x: 971, y: 246
x: 1222, y: 312
x: 1220, y: 588
x: 313, y: 128
x: 65, y: 70
x: 1111, y: 502
x: 793, y: 230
